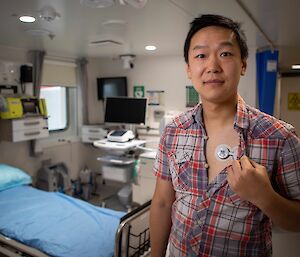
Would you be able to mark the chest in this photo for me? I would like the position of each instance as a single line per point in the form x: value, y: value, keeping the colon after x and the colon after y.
x: 220, y: 150
x: 192, y: 163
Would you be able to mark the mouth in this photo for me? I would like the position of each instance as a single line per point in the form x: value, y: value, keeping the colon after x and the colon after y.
x: 213, y: 82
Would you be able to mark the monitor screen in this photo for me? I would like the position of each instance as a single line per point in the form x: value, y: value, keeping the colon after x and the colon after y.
x: 127, y: 110
x: 110, y: 87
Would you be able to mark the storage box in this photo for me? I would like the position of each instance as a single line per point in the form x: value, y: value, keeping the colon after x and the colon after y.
x: 117, y: 172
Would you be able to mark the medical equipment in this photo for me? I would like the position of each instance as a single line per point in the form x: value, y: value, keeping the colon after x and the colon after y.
x: 223, y: 152
x: 18, y: 107
x: 54, y: 178
x: 118, y: 148
x: 125, y: 110
x: 120, y: 135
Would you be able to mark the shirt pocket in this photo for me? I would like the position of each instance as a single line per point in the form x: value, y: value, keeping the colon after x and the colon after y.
x: 180, y: 169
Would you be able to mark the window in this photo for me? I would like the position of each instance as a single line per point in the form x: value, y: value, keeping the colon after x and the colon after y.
x: 57, y: 106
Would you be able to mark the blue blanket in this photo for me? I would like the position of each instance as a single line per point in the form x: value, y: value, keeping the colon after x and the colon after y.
x: 57, y: 224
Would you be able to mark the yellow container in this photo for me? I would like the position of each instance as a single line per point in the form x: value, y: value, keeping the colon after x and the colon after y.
x: 43, y: 107
x: 13, y: 108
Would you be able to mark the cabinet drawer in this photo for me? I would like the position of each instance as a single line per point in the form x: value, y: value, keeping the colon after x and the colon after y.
x: 29, y: 134
x: 23, y: 129
x: 92, y: 130
x: 90, y: 138
x: 25, y: 124
x: 91, y: 133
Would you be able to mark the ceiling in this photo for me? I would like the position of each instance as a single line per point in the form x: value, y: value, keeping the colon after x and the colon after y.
x: 163, y: 23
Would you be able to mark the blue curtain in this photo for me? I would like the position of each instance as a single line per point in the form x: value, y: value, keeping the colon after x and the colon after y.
x: 266, y: 74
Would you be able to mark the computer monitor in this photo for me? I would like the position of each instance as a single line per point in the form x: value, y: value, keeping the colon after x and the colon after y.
x: 111, y: 87
x: 125, y: 110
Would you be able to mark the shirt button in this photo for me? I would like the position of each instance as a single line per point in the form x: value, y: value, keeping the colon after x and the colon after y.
x: 206, y: 165
x: 205, y: 137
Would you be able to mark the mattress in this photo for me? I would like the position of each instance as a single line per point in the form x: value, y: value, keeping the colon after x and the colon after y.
x: 57, y: 224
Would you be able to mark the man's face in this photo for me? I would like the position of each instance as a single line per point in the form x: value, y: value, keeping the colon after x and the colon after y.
x: 215, y: 64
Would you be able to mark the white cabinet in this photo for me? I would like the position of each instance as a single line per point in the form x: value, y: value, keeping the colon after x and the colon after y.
x: 91, y: 133
x: 143, y: 188
x: 17, y: 130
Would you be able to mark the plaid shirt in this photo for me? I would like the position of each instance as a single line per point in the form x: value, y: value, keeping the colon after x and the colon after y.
x: 209, y: 219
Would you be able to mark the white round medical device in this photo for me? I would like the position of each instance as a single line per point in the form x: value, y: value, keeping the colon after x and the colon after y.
x: 223, y: 152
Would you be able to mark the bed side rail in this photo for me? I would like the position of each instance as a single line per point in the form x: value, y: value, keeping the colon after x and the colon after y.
x: 133, y: 236
x: 13, y: 248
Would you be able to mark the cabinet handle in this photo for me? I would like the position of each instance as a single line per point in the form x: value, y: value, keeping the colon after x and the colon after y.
x: 32, y: 133
x: 31, y: 123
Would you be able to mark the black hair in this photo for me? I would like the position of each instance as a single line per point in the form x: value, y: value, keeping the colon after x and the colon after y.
x: 220, y: 21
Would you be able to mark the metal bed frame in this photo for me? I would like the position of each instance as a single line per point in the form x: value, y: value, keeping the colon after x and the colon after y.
x: 132, y: 238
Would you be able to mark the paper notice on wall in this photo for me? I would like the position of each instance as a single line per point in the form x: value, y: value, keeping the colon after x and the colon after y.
x: 271, y: 66
x: 155, y: 97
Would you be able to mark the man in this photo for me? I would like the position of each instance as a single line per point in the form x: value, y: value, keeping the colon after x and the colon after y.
x: 224, y: 169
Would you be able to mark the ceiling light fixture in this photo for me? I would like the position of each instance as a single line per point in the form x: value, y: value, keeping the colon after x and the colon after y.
x: 27, y: 19
x: 150, y: 48
x: 296, y: 67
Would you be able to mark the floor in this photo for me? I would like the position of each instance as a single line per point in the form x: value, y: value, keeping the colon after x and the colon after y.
x: 105, y: 195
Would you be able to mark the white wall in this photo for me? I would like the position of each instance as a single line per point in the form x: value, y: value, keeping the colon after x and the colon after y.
x: 166, y: 73
x: 289, y: 85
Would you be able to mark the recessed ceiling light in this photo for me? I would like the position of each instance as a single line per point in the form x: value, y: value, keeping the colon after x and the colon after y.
x: 150, y: 48
x: 27, y: 18
x: 296, y: 66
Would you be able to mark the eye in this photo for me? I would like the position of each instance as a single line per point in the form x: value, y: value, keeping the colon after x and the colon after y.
x: 200, y: 56
x: 224, y: 54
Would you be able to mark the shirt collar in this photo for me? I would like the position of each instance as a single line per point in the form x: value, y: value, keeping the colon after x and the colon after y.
x: 241, y: 119
x: 242, y: 116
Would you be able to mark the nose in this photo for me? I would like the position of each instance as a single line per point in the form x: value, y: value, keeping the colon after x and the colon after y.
x: 213, y: 65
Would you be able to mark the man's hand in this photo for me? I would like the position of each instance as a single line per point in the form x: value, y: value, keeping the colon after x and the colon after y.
x: 249, y: 180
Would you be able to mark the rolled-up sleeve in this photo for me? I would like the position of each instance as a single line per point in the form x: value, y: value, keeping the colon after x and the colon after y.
x: 288, y: 176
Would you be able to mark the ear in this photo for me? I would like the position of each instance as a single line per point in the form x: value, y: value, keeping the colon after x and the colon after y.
x: 188, y: 71
x: 244, y: 67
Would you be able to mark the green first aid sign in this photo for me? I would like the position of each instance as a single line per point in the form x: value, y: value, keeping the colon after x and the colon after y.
x: 138, y: 91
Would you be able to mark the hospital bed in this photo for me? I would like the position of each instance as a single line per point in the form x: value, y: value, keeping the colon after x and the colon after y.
x: 37, y: 223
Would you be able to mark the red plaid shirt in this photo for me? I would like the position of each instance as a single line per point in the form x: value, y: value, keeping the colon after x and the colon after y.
x: 209, y: 219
